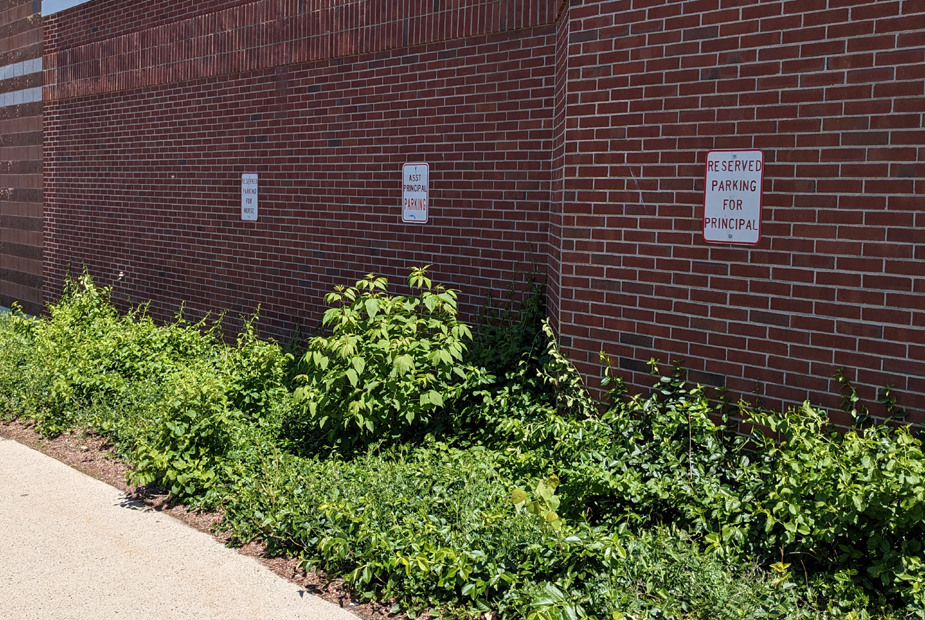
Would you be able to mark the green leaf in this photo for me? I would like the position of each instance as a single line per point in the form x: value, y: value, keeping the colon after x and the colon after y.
x: 858, y: 502
x: 372, y: 306
x: 518, y: 497
x: 403, y: 364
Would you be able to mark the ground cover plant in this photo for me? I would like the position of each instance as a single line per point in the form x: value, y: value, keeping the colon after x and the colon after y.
x: 466, y: 471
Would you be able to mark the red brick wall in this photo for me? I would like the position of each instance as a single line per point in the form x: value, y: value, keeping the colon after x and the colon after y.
x: 20, y: 155
x: 115, y: 45
x: 833, y: 92
x: 144, y: 166
x: 577, y: 132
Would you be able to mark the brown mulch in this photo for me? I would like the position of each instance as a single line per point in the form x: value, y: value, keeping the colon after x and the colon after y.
x: 95, y: 456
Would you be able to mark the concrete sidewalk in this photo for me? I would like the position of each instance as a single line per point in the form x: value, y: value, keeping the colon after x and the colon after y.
x: 72, y: 547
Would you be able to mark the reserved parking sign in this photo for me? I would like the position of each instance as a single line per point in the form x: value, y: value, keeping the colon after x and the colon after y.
x: 733, y: 196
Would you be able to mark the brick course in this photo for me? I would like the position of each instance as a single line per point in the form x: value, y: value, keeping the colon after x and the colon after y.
x: 574, y: 134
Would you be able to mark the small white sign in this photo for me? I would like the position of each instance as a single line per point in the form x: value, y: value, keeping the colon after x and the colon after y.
x: 732, y: 196
x: 249, y: 197
x: 415, y: 193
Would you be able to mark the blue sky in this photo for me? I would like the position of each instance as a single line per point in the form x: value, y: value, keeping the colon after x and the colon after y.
x: 53, y: 6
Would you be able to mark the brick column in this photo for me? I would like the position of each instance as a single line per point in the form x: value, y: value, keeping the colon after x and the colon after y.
x: 21, y: 154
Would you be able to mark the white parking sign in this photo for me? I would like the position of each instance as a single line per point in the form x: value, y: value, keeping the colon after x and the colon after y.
x: 249, y: 197
x: 415, y: 193
x: 732, y: 197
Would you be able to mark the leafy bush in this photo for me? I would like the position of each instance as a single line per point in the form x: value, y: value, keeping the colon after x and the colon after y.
x: 172, y: 397
x: 190, y: 434
x: 85, y: 351
x: 23, y: 377
x: 206, y: 408
x: 257, y: 372
x: 391, y: 361
x: 854, y: 501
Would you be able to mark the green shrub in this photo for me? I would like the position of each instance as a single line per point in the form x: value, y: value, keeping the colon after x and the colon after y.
x: 74, y: 348
x: 390, y: 363
x: 851, y: 501
x: 21, y: 377
x: 846, y: 508
x: 257, y: 372
x: 85, y: 351
x: 172, y: 397
x: 190, y: 434
x: 671, y: 459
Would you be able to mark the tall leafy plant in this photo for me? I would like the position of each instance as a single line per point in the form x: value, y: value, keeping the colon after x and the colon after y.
x: 390, y: 361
